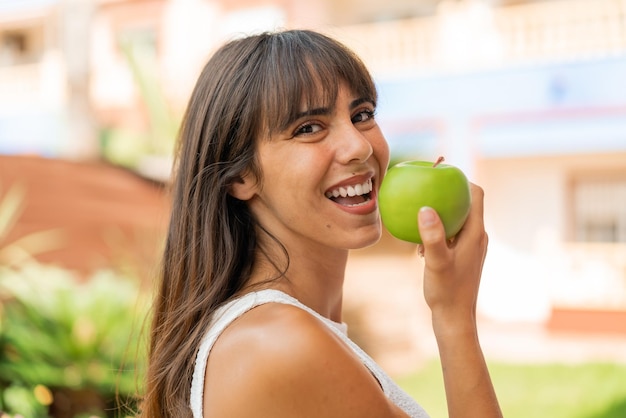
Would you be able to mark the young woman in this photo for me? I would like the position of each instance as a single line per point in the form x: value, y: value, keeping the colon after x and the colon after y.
x: 279, y: 163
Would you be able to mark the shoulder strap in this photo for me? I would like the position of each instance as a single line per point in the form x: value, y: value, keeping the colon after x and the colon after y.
x: 223, y: 317
x: 234, y: 309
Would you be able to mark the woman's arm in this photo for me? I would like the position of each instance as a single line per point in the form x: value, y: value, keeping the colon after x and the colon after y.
x: 451, y: 280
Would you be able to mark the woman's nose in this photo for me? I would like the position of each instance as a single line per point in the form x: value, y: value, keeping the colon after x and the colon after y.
x: 353, y: 145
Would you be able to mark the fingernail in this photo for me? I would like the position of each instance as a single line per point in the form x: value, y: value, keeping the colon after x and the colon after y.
x: 427, y: 216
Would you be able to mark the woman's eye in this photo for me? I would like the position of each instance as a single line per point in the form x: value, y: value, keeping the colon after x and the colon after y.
x: 308, y: 128
x: 363, y: 116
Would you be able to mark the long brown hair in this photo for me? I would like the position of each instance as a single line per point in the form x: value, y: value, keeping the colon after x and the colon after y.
x: 251, y: 87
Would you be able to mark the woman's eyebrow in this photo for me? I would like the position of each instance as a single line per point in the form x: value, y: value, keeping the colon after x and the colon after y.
x: 360, y: 101
x: 303, y: 114
x: 327, y: 110
x: 313, y: 112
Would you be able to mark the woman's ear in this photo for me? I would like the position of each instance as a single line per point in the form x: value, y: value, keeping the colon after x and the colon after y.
x: 244, y: 187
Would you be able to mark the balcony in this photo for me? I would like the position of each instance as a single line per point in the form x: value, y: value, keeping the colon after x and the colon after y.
x: 468, y: 36
x: 32, y: 106
x: 39, y: 84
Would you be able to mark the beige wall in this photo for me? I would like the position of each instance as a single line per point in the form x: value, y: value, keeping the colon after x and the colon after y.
x: 527, y: 198
x: 533, y: 264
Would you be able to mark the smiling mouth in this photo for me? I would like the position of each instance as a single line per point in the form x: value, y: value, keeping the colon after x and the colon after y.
x: 353, y: 195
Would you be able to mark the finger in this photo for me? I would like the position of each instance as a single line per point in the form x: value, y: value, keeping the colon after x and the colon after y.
x: 475, y: 222
x: 433, y: 235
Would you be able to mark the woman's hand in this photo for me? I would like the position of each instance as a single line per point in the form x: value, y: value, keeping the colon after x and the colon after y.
x: 451, y: 279
x: 453, y: 267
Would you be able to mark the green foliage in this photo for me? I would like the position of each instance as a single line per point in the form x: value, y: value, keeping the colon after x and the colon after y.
x: 56, y: 332
x: 590, y: 390
x: 127, y: 147
x: 20, y: 398
x: 24, y: 248
x: 10, y: 208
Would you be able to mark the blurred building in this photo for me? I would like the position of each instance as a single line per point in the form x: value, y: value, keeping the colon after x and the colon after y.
x: 528, y: 97
x: 63, y: 65
x: 530, y: 100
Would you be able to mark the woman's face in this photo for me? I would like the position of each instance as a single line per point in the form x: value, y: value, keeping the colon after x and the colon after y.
x: 321, y: 175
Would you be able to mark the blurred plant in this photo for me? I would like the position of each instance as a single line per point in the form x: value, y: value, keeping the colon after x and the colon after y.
x: 62, y: 340
x: 128, y: 147
x: 17, y: 397
x: 21, y: 249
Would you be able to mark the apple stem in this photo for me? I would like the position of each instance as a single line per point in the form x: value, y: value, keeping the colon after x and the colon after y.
x: 439, y: 161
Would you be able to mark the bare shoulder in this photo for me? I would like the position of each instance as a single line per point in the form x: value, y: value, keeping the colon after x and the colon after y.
x: 277, y: 361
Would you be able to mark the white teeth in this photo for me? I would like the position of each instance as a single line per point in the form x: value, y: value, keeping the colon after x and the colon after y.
x: 356, y: 190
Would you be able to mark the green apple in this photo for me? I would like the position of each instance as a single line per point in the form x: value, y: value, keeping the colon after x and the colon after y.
x: 411, y: 185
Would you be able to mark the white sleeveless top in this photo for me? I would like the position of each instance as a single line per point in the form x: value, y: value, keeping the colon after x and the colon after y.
x: 237, y: 307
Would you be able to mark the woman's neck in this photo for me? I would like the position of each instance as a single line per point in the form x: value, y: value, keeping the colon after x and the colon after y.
x: 315, y: 278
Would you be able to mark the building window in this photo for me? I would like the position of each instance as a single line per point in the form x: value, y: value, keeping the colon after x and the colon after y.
x: 600, y: 209
x: 20, y: 46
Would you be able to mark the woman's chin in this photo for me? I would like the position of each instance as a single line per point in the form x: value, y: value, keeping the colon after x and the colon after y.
x: 368, y: 238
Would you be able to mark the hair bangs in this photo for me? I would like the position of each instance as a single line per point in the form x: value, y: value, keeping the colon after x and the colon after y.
x: 304, y: 71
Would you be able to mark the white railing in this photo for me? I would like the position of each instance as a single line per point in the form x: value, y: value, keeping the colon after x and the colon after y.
x: 562, y: 29
x: 42, y: 83
x: 20, y: 83
x: 588, y: 274
x: 393, y: 46
x: 470, y: 35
